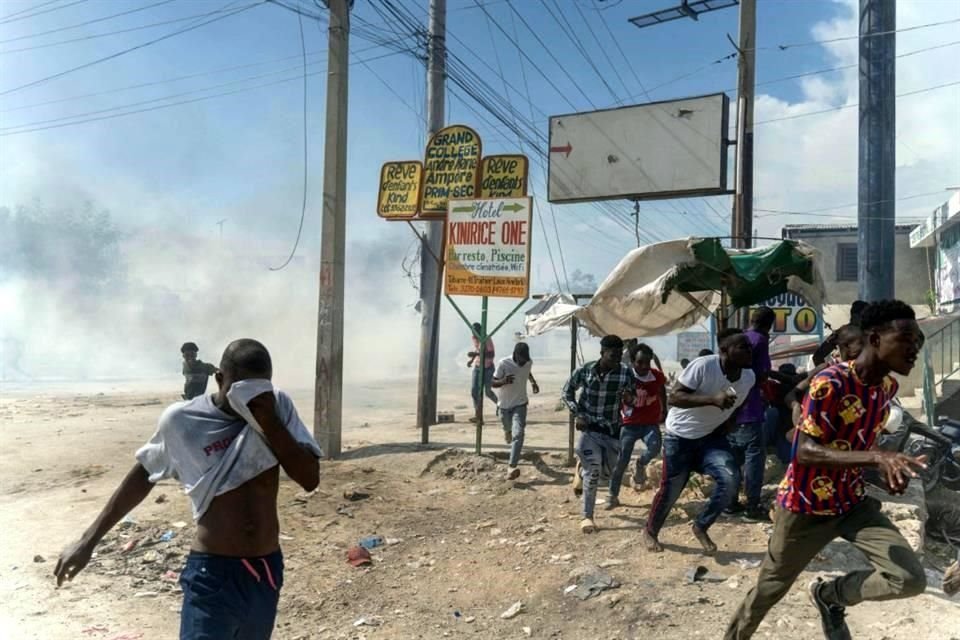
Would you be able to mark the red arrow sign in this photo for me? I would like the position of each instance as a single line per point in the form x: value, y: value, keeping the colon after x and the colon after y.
x: 564, y: 150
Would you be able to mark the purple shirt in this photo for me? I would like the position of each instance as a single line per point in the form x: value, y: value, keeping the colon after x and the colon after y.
x: 755, y: 406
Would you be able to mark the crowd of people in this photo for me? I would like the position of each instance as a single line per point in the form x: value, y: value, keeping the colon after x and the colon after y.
x: 719, y: 418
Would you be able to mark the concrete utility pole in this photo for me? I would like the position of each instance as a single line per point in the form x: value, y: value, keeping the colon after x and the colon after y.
x: 742, y: 219
x: 328, y: 392
x: 430, y: 282
x: 876, y: 189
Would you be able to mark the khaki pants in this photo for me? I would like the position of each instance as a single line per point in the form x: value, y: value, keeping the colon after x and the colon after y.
x: 796, y: 539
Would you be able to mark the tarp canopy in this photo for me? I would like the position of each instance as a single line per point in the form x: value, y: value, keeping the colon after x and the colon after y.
x: 670, y: 286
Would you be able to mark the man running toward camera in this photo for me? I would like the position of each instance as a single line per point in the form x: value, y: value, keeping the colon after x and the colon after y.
x: 227, y: 450
x: 511, y: 379
x: 823, y: 496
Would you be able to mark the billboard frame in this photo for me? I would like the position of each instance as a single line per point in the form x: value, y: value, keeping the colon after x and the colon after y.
x: 726, y: 143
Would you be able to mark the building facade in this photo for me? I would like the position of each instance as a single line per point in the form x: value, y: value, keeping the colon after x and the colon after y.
x: 914, y: 272
x: 940, y: 235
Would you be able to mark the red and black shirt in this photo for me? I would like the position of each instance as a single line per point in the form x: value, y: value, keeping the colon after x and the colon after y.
x: 842, y: 412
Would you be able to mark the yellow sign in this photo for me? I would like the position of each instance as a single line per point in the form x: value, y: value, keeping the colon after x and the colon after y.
x: 488, y: 247
x: 451, y: 169
x: 400, y: 184
x: 504, y: 176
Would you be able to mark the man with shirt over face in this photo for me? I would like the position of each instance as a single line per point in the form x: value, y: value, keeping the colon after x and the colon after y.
x: 603, y: 385
x: 703, y: 400
x: 227, y: 450
x: 823, y: 496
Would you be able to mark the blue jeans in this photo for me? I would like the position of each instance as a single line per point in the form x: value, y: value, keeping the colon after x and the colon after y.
x: 776, y: 423
x: 230, y: 598
x: 487, y: 389
x: 750, y: 453
x: 515, y: 423
x: 597, y: 452
x: 629, y: 434
x: 710, y: 456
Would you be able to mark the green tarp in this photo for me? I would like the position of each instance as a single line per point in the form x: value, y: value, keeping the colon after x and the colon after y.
x: 748, y: 278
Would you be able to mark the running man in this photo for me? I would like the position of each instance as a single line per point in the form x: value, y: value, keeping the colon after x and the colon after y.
x: 702, y: 402
x: 823, y: 496
x: 482, y: 371
x: 511, y: 379
x: 196, y: 372
x: 747, y: 438
x: 603, y: 385
x: 640, y: 421
x: 226, y: 449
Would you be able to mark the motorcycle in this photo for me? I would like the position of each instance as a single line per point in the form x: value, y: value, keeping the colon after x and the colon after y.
x: 941, y: 445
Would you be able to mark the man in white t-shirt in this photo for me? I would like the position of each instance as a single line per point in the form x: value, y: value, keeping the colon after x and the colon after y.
x: 226, y: 449
x: 705, y: 397
x: 511, y: 379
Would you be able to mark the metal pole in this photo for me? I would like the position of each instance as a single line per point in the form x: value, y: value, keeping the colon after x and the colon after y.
x: 328, y: 392
x: 482, y: 382
x: 877, y: 157
x: 430, y: 281
x: 574, y: 329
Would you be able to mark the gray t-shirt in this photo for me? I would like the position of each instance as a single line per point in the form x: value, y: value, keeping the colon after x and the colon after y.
x: 513, y: 395
x: 704, y: 376
x: 211, y: 452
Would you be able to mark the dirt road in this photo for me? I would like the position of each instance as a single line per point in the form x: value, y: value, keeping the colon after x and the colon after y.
x: 462, y: 544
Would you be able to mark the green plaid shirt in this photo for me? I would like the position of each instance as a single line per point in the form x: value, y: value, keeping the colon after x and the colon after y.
x: 599, y: 402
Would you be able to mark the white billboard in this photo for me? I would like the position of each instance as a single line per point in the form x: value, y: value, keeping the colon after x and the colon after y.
x: 672, y: 149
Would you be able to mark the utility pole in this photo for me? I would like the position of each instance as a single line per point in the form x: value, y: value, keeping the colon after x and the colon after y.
x: 328, y: 392
x: 430, y: 282
x: 877, y: 154
x: 742, y: 220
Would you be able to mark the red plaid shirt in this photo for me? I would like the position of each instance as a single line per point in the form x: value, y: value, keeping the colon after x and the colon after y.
x: 842, y: 412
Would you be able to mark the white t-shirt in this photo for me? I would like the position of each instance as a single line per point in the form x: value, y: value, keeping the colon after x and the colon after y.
x: 211, y: 452
x: 513, y: 395
x: 704, y: 376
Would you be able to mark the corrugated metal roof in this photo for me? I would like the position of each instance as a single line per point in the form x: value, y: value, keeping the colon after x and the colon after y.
x: 837, y: 228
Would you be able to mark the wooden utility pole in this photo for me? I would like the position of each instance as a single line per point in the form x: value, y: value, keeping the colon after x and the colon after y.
x: 430, y: 270
x: 742, y: 222
x: 328, y: 391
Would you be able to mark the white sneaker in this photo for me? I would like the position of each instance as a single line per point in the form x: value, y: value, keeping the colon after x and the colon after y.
x: 587, y: 526
x: 513, y: 473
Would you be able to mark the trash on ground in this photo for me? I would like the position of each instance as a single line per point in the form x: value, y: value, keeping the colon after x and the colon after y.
x: 371, y: 542
x: 515, y: 609
x: 594, y: 583
x: 701, y: 574
x: 168, y: 536
x: 358, y: 556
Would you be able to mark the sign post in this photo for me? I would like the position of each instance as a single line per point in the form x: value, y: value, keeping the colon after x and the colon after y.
x: 488, y: 254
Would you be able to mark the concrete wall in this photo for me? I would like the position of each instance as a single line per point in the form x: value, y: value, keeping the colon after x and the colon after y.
x: 912, y: 279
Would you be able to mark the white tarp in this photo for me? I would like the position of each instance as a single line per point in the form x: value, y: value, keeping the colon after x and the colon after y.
x: 628, y: 302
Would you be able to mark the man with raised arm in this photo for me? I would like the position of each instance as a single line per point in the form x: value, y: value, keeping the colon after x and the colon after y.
x: 226, y: 449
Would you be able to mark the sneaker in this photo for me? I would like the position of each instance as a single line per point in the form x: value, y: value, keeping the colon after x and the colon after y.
x: 735, y: 509
x: 587, y: 526
x: 831, y: 616
x: 756, y: 514
x: 612, y: 503
x: 513, y: 473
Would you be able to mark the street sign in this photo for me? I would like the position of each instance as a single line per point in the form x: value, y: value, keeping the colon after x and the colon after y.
x: 488, y: 247
x: 400, y: 184
x: 504, y: 176
x: 451, y: 169
x: 671, y: 149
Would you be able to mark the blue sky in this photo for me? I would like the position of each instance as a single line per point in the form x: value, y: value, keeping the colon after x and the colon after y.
x: 239, y: 157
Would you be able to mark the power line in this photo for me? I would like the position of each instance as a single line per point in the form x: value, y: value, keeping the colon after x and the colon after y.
x: 849, y: 205
x: 854, y: 104
x: 107, y: 34
x: 28, y: 10
x: 130, y: 49
x: 39, y: 13
x: 794, y: 45
x: 88, y: 22
x: 303, y: 208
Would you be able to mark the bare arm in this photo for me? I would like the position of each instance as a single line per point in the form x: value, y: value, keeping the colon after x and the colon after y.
x: 663, y: 403
x: 533, y: 382
x: 131, y: 492
x: 685, y: 398
x: 896, y: 468
x: 299, y: 462
x: 496, y: 383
